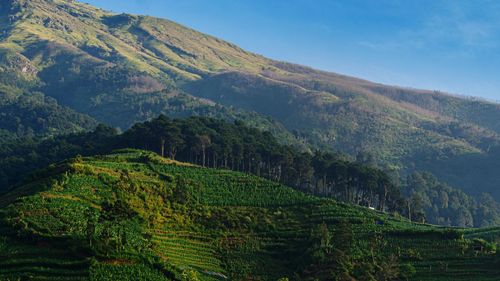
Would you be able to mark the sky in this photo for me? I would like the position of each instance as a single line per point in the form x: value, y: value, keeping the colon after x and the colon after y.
x: 451, y: 46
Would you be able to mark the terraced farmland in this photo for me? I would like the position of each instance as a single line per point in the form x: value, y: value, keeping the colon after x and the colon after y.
x: 189, y: 250
x: 133, y: 215
x: 40, y: 261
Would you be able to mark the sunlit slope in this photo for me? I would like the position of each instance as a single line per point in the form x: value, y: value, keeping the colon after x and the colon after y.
x: 120, y: 69
x: 144, y: 217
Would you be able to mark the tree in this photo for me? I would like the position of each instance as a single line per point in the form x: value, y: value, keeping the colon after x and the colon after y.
x: 384, y: 187
x: 320, y: 164
x: 158, y: 128
x: 463, y: 218
x: 388, y: 269
x: 174, y: 139
x: 204, y: 143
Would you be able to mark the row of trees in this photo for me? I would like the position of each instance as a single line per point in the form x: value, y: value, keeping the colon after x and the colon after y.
x: 218, y: 144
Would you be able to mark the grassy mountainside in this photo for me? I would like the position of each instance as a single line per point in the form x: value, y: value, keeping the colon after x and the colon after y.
x: 59, y: 48
x: 111, y: 66
x: 121, y: 69
x: 136, y: 215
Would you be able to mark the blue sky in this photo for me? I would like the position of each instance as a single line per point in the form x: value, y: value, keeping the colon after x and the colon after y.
x: 452, y: 46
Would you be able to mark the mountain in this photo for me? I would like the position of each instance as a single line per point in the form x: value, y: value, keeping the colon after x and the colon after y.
x: 120, y: 69
x: 139, y: 216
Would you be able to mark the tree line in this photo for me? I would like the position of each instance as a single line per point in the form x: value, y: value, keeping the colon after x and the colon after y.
x: 215, y: 143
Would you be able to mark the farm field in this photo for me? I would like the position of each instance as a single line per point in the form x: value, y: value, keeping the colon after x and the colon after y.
x: 139, y: 216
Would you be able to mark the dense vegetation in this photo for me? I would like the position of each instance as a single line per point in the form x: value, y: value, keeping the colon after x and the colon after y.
x: 139, y: 216
x: 32, y: 115
x: 22, y: 156
x: 438, y: 203
x: 123, y: 69
x: 236, y: 146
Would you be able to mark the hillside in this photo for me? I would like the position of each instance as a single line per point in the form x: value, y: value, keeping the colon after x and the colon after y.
x: 120, y: 69
x: 143, y: 217
x: 238, y: 147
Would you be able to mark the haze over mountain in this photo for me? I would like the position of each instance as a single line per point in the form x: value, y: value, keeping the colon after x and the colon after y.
x: 119, y: 69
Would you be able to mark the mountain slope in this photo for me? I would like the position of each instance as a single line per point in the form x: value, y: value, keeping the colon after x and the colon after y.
x: 143, y: 217
x: 88, y: 59
x: 28, y: 113
x: 121, y: 69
